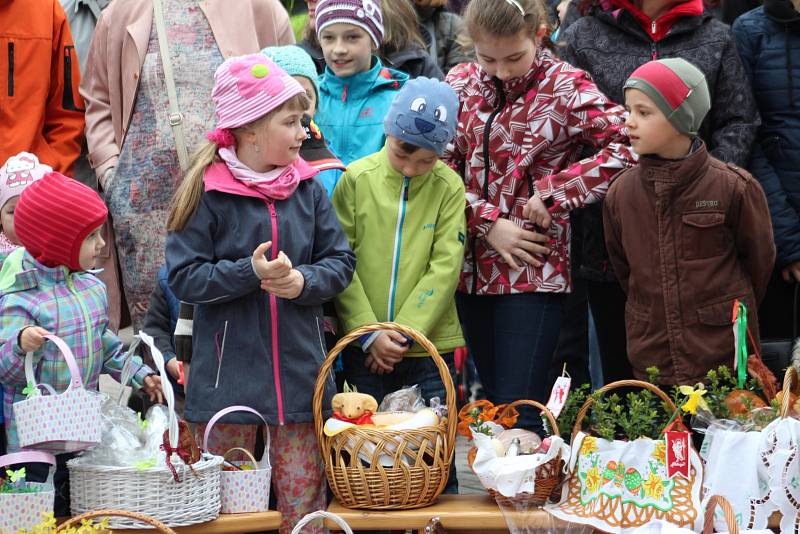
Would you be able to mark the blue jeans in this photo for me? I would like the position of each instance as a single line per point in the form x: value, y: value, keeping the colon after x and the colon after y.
x: 512, y: 338
x: 411, y: 370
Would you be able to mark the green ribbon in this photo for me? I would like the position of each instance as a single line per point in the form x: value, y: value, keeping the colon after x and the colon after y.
x: 740, y: 326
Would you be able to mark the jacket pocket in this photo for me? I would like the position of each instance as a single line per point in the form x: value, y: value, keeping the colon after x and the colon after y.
x: 10, y: 69
x: 704, y: 235
x: 68, y: 99
x: 219, y: 345
x: 320, y: 323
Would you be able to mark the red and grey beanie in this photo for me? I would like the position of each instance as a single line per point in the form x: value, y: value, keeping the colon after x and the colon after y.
x: 678, y: 88
x: 53, y: 217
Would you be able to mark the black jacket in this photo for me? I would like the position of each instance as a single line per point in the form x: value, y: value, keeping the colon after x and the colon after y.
x: 611, y: 44
x: 768, y: 40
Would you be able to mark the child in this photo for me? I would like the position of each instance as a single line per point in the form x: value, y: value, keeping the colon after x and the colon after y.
x: 403, y: 206
x: 298, y: 64
x: 52, y: 293
x: 441, y: 30
x: 687, y: 234
x: 524, y: 119
x: 247, y: 193
x: 356, y: 89
x: 15, y: 175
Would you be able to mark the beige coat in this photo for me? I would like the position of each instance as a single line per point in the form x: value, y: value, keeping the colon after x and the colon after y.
x: 118, y: 52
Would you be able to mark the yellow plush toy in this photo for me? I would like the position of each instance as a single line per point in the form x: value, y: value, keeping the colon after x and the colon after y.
x: 354, y: 407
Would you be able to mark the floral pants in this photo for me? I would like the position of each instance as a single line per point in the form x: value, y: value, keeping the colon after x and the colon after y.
x: 297, y: 471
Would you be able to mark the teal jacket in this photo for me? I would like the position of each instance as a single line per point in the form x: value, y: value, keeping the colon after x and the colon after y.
x: 351, y: 110
x: 408, y: 236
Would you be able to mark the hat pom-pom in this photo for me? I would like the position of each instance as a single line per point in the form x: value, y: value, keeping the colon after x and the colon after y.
x: 222, y: 137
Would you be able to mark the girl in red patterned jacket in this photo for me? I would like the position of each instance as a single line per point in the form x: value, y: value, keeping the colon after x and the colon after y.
x: 524, y: 119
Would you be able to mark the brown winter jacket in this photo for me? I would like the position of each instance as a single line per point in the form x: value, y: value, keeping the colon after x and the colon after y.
x: 686, y: 239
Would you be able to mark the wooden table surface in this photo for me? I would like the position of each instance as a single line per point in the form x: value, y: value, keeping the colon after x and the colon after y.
x: 455, y: 512
x: 225, y: 524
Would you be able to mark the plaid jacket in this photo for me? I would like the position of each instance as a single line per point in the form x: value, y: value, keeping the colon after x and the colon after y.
x: 73, y: 306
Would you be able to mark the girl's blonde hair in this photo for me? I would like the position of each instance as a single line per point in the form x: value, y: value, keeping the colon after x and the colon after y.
x: 500, y: 18
x: 190, y: 191
x: 400, y: 27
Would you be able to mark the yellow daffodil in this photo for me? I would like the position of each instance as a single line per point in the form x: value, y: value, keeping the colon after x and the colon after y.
x: 654, y: 487
x: 695, y: 399
x: 660, y: 452
x: 593, y: 480
x: 589, y: 445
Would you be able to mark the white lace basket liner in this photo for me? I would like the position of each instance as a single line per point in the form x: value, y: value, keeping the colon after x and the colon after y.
x: 321, y: 514
x: 152, y: 491
x: 65, y: 422
x: 20, y: 511
x: 244, y: 491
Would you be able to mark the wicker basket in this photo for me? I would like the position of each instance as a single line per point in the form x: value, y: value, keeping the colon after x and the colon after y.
x: 420, y: 458
x: 548, y: 476
x: 152, y: 491
x: 321, y: 514
x: 790, y: 383
x: 138, y: 519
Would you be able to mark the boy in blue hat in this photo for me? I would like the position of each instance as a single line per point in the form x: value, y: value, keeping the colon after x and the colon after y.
x: 402, y: 210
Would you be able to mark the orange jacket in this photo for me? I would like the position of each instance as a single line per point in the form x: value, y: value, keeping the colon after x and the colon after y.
x: 41, y: 110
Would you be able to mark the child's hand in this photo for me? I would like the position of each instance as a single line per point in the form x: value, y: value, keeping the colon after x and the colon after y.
x: 152, y: 386
x: 277, y: 268
x: 515, y: 244
x: 288, y: 287
x: 32, y: 338
x: 388, y: 349
x: 536, y: 212
x: 173, y: 369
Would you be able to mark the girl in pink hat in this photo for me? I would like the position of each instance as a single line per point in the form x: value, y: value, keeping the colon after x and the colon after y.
x: 255, y: 245
x: 16, y: 174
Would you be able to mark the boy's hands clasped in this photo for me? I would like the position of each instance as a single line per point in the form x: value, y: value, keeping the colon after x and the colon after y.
x: 386, y: 351
x: 277, y: 276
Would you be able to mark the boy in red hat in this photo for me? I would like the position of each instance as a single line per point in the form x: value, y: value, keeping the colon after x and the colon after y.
x: 49, y: 291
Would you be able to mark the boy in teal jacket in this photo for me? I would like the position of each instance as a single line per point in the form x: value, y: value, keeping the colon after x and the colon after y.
x: 356, y: 90
x: 402, y: 210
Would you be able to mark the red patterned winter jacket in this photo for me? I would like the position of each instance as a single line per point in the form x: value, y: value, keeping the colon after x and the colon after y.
x: 537, y: 127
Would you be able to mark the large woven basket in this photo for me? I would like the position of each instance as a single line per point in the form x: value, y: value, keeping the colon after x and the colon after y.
x: 152, y: 491
x: 420, y: 458
x: 548, y: 476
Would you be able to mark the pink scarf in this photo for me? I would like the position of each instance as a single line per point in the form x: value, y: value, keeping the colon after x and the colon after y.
x: 277, y: 184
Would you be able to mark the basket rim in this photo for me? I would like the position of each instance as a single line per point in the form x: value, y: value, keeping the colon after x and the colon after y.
x: 204, y: 463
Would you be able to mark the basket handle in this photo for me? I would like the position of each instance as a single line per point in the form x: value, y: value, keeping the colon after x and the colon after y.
x: 242, y: 450
x: 225, y: 411
x: 545, y: 411
x: 321, y: 514
x: 790, y: 381
x: 444, y: 373
x: 72, y: 522
x: 25, y: 457
x: 730, y: 515
x: 166, y: 387
x: 616, y: 385
x: 74, y: 371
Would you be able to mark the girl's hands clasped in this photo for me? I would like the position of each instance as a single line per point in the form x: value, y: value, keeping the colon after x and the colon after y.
x: 277, y: 276
x: 516, y: 245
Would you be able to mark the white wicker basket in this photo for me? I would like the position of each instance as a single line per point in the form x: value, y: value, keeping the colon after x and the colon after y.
x: 153, y: 491
x: 321, y: 514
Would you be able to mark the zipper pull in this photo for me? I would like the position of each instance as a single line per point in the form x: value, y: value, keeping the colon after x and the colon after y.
x: 344, y: 94
x: 653, y: 27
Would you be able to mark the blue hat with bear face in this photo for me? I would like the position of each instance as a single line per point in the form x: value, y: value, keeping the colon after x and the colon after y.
x: 423, y: 114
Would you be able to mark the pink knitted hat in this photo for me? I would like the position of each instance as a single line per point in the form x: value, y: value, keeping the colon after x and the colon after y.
x: 19, y: 172
x: 248, y: 87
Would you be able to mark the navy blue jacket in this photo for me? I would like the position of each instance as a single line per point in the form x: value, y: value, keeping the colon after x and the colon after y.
x: 209, y: 265
x: 768, y: 40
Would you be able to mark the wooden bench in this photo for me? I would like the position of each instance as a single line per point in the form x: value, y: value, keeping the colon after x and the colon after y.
x: 226, y: 524
x: 476, y: 512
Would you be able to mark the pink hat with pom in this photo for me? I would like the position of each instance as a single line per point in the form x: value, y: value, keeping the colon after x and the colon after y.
x: 248, y: 87
x: 19, y: 172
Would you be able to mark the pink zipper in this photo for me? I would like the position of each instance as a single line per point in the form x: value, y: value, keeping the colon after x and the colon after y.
x: 273, y: 315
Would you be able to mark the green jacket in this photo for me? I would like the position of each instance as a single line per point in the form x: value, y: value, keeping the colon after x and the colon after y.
x: 408, y: 236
